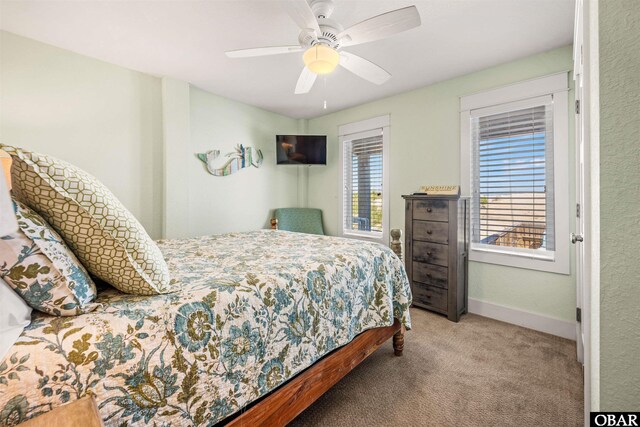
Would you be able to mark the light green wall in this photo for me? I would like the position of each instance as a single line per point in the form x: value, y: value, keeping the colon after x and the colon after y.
x: 108, y: 120
x: 425, y: 149
x: 104, y: 118
x: 619, y: 25
x: 242, y: 201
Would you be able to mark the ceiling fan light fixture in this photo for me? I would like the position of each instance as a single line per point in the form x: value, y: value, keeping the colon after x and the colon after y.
x: 321, y: 59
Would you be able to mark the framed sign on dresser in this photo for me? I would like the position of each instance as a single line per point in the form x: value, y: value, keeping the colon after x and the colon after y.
x: 436, y: 254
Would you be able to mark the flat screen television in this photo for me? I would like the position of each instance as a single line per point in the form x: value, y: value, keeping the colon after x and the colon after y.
x: 301, y: 149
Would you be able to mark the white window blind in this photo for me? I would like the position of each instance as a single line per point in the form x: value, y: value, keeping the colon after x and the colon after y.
x: 512, y: 202
x: 363, y: 184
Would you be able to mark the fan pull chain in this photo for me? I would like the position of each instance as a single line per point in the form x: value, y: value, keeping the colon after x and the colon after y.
x: 324, y: 78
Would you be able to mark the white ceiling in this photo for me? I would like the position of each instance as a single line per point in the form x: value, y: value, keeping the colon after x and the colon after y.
x: 187, y: 40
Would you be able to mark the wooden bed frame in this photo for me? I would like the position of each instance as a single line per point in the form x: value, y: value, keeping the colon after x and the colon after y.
x: 279, y: 407
x: 285, y: 403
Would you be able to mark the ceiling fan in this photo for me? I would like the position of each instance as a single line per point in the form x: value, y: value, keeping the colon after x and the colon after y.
x: 322, y: 40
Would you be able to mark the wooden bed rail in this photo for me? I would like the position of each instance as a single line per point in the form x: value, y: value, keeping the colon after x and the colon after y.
x: 290, y: 399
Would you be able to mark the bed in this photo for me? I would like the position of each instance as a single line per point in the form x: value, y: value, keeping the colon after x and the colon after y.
x: 263, y: 321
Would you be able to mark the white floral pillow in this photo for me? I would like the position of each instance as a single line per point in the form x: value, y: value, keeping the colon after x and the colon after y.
x: 39, y: 266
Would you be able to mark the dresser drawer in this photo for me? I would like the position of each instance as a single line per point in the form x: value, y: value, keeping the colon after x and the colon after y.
x: 430, y: 296
x: 432, y: 253
x: 431, y: 231
x: 430, y: 274
x: 431, y: 210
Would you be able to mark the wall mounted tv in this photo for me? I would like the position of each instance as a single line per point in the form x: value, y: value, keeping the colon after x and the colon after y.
x: 301, y: 149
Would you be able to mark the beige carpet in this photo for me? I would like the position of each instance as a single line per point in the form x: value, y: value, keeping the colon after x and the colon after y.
x: 479, y: 372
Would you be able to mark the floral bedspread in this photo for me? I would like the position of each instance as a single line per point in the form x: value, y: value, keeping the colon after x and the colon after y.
x: 254, y: 309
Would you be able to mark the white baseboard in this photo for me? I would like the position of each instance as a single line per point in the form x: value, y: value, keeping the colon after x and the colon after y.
x: 537, y: 322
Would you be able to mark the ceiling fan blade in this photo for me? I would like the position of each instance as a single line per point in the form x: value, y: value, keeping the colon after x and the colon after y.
x: 305, y: 81
x: 363, y: 68
x: 381, y: 26
x: 301, y: 13
x: 262, y: 51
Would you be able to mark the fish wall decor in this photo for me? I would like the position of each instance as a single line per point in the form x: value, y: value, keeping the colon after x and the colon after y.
x: 241, y: 158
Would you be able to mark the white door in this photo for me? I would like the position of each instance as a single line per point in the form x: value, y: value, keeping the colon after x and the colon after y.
x: 578, y: 237
x: 581, y: 235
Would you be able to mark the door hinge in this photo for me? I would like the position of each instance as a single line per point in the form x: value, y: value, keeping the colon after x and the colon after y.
x: 577, y: 106
x: 577, y: 210
x: 578, y: 315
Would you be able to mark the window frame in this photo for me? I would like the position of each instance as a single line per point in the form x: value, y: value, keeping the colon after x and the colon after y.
x: 357, y: 130
x: 510, y: 98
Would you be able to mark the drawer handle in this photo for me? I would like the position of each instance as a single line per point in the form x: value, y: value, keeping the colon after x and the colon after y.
x: 429, y: 254
x: 428, y: 209
x: 429, y: 276
x: 429, y: 231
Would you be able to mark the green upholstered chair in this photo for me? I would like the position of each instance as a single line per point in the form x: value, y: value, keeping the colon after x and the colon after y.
x: 302, y: 220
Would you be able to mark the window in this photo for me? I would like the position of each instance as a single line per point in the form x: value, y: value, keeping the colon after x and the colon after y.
x: 514, y: 163
x: 364, y: 178
x: 512, y: 185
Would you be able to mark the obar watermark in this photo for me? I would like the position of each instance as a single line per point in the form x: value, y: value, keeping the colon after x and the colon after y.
x: 618, y: 419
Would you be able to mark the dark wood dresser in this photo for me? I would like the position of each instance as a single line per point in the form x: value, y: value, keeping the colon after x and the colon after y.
x: 436, y: 254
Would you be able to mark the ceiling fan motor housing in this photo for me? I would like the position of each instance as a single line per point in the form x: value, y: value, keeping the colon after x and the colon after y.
x: 329, y: 29
x: 329, y: 36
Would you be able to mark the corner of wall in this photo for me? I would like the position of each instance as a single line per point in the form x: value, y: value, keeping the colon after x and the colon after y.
x: 303, y: 171
x: 176, y: 134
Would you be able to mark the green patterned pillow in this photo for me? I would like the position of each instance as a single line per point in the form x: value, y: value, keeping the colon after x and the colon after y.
x: 37, y: 264
x: 103, y: 234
